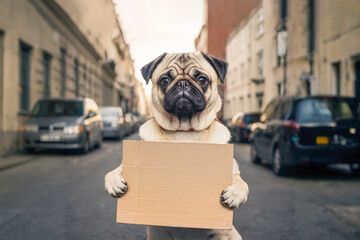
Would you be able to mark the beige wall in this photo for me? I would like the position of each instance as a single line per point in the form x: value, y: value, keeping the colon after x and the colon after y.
x: 338, y: 41
x: 39, y: 27
x: 337, y: 34
x: 98, y: 21
x: 245, y: 86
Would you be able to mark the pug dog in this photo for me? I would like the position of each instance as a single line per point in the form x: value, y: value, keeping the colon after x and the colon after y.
x: 184, y: 105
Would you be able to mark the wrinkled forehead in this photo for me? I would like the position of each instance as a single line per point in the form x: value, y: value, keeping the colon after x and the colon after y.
x: 184, y: 64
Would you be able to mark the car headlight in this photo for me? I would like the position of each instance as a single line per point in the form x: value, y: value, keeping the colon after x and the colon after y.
x: 114, y: 124
x: 73, y: 129
x: 31, y: 127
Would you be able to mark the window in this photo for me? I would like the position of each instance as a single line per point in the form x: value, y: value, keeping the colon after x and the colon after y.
x: 242, y: 104
x: 1, y: 74
x: 90, y: 84
x: 260, y: 23
x: 24, y: 93
x: 63, y: 72
x: 336, y: 78
x: 260, y: 63
x: 278, y: 85
x: 283, y: 9
x: 76, y: 70
x: 107, y: 94
x: 242, y: 75
x: 311, y: 26
x: 85, y: 80
x: 47, y: 81
x: 259, y: 99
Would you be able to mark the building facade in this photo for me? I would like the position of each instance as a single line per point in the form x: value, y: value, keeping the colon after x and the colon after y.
x: 321, y: 57
x: 245, y: 54
x: 219, y: 21
x: 44, y: 53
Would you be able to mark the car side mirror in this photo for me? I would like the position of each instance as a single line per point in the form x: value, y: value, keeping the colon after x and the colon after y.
x: 91, y: 114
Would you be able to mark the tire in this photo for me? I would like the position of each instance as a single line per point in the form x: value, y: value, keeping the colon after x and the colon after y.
x: 279, y: 167
x: 241, y: 137
x: 254, y: 158
x: 85, y: 149
x: 30, y: 150
x: 99, y: 143
x: 355, y: 169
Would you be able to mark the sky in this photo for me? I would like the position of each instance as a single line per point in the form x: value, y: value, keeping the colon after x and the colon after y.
x: 152, y: 27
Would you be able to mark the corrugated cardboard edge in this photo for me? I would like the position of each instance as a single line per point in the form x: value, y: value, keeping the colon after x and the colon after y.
x: 133, y: 220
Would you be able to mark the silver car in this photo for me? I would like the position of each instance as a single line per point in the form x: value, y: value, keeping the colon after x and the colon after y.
x: 113, y: 121
x: 59, y: 123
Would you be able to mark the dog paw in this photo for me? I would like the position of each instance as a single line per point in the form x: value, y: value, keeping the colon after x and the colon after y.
x: 115, y: 184
x: 233, y: 196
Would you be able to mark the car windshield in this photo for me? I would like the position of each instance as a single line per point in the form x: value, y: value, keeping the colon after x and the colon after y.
x: 324, y: 110
x: 251, y: 118
x: 109, y: 112
x: 58, y: 108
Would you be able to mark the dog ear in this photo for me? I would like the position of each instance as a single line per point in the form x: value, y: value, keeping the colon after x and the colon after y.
x: 149, y: 68
x: 219, y: 65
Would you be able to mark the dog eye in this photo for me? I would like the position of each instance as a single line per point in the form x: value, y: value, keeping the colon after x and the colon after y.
x: 202, y: 81
x: 164, y: 81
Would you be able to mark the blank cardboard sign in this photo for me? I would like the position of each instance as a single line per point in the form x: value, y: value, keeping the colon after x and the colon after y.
x: 176, y: 184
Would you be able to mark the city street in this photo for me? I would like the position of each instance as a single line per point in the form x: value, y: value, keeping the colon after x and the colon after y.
x: 61, y: 196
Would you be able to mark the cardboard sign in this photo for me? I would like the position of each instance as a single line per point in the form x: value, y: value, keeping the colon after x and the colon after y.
x: 176, y: 184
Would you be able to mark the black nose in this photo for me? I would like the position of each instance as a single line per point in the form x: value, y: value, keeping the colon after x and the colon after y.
x: 183, y: 84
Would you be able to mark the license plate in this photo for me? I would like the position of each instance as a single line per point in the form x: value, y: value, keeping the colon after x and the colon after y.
x: 321, y: 140
x: 50, y: 138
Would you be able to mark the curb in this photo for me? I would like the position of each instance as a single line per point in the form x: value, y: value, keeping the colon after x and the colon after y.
x: 6, y: 163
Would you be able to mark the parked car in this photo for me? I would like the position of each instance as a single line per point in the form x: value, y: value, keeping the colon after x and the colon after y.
x: 240, y: 124
x: 59, y: 123
x: 113, y: 121
x: 311, y: 130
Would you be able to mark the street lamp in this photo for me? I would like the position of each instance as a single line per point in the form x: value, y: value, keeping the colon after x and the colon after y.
x: 281, y: 44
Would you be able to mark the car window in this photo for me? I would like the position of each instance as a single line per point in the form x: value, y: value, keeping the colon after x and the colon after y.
x: 58, y: 108
x: 285, y: 108
x: 110, y: 112
x: 275, y: 114
x: 324, y: 110
x: 266, y: 115
x: 251, y: 119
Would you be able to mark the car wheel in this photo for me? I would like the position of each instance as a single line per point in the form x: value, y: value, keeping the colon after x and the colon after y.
x: 279, y: 168
x: 86, y: 146
x: 253, y: 155
x: 355, y: 169
x: 30, y: 150
x: 241, y: 137
x: 99, y: 143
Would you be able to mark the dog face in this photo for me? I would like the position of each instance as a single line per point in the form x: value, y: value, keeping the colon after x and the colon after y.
x: 184, y: 89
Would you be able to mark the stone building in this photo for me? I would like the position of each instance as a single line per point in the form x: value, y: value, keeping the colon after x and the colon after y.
x: 245, y: 53
x: 220, y: 19
x: 337, y: 48
x: 322, y: 53
x: 44, y: 52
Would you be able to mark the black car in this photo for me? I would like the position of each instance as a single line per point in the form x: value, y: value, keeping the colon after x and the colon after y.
x: 239, y: 125
x: 311, y: 130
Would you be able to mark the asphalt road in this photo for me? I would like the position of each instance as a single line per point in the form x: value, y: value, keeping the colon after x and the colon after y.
x: 61, y: 196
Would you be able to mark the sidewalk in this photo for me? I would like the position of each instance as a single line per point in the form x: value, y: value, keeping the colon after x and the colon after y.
x: 15, y: 160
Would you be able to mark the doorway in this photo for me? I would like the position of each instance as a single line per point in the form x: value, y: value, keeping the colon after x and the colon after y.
x: 1, y: 77
x: 336, y: 67
x: 357, y: 77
